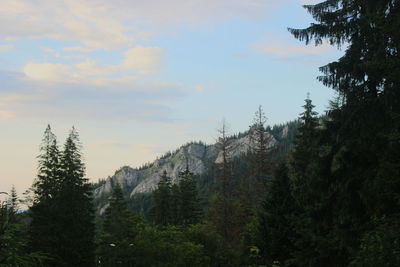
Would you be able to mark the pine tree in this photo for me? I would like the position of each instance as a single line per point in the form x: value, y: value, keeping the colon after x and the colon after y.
x: 116, y: 242
x: 175, y: 205
x: 304, y: 149
x: 261, y: 141
x: 369, y: 28
x: 162, y: 201
x: 253, y: 185
x: 190, y: 206
x: 43, y: 229
x: 75, y: 204
x: 351, y: 166
x: 13, y: 204
x: 13, y: 238
x: 276, y: 219
x: 46, y: 185
x: 223, y: 206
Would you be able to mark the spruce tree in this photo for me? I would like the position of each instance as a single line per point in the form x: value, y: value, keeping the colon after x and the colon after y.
x: 190, y: 206
x: 162, y: 201
x: 116, y: 246
x: 13, y: 204
x: 253, y: 185
x: 44, y: 230
x: 175, y: 205
x: 276, y: 219
x: 353, y: 174
x: 13, y: 237
x: 223, y: 206
x: 75, y: 204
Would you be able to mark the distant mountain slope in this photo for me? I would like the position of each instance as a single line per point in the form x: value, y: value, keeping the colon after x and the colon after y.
x: 137, y: 182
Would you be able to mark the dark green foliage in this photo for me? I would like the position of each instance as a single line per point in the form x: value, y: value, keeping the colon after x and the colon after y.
x: 168, y: 247
x: 62, y: 213
x: 260, y: 159
x: 370, y: 28
x: 75, y: 202
x: 119, y: 228
x: 381, y: 245
x: 44, y: 231
x: 253, y: 183
x: 13, y: 241
x: 222, y: 215
x: 176, y: 204
x: 162, y: 201
x: 348, y: 174
x: 276, y: 220
x: 189, y: 208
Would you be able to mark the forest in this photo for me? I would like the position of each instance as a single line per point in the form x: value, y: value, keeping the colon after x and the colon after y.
x: 330, y: 198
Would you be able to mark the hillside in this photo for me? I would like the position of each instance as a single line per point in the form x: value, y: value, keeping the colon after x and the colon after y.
x: 138, y: 183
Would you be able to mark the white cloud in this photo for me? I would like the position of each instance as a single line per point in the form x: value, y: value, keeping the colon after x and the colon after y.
x: 83, y: 21
x: 48, y: 72
x: 6, y: 47
x: 144, y: 60
x: 121, y: 98
x: 91, y: 68
x: 138, y: 60
x: 77, y: 49
x: 115, y: 81
x: 104, y: 24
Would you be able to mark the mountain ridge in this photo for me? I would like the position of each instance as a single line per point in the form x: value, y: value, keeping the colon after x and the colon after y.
x: 196, y: 155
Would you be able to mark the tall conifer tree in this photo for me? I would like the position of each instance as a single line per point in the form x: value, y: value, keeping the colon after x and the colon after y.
x: 223, y: 206
x: 162, y: 201
x: 116, y: 242
x: 190, y: 206
x: 352, y: 178
x: 44, y: 211
x: 75, y: 202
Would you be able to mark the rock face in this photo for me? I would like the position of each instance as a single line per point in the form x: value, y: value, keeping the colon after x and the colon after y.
x: 196, y: 155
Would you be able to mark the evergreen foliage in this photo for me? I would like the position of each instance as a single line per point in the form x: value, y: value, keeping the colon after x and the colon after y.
x: 275, y: 225
x: 44, y: 229
x: 13, y: 236
x: 62, y: 214
x: 222, y: 212
x: 176, y: 204
x: 116, y: 239
x: 162, y: 210
x: 189, y: 208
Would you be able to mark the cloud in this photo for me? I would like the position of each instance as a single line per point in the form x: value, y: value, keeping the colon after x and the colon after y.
x: 77, y: 49
x: 138, y: 60
x: 144, y: 60
x: 115, y: 81
x: 104, y: 24
x: 6, y: 47
x: 23, y: 97
x: 48, y: 71
x: 83, y: 21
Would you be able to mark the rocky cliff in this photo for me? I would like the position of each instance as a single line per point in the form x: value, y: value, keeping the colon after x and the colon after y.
x: 198, y: 156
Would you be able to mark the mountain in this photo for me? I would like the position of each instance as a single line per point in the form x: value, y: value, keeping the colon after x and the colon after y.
x: 138, y: 183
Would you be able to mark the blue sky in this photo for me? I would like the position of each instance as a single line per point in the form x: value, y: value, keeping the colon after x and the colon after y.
x: 139, y: 78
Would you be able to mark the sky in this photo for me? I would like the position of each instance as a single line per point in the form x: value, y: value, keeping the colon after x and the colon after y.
x: 139, y: 78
